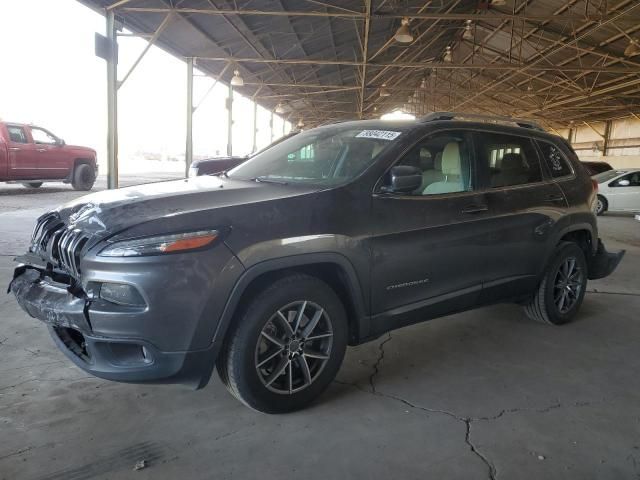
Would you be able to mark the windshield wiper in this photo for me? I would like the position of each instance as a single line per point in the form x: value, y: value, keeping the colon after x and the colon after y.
x: 223, y: 174
x: 266, y: 179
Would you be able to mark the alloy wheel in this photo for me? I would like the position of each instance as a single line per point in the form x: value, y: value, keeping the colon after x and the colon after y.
x: 568, y: 284
x: 293, y: 348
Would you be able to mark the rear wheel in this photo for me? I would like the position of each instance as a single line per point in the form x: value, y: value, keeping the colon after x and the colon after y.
x: 286, y: 346
x: 561, y: 291
x: 601, y: 205
x: 84, y: 177
x: 32, y: 184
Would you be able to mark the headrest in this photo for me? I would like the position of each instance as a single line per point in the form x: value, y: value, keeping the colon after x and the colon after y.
x: 451, y: 159
x: 437, y: 161
x: 511, y: 161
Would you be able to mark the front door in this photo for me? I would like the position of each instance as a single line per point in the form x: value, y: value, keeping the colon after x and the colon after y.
x: 624, y: 193
x: 52, y: 159
x: 425, y: 243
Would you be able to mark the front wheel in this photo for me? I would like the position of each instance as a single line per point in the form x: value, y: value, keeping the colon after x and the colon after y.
x: 601, y: 205
x: 84, y: 176
x: 286, y: 346
x: 561, y: 291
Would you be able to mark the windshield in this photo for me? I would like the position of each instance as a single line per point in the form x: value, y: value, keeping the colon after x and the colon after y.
x: 608, y: 175
x: 324, y: 156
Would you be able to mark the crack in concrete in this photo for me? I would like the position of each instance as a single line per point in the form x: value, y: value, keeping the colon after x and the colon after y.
x: 602, y: 292
x: 376, y: 365
x: 491, y: 468
x: 7, y: 387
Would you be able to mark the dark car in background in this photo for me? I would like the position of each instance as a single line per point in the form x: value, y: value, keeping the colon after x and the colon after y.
x: 594, y: 168
x: 331, y: 238
x: 216, y: 165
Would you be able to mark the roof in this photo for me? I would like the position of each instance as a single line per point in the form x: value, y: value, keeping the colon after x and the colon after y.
x: 553, y: 60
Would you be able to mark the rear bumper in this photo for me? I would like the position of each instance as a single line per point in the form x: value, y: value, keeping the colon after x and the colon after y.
x: 603, y: 263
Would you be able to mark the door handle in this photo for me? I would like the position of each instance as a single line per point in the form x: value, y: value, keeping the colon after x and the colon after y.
x: 41, y: 149
x: 476, y: 208
x: 14, y: 149
x: 554, y: 198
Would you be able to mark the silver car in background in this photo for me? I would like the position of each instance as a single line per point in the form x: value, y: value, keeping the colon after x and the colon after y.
x: 618, y: 191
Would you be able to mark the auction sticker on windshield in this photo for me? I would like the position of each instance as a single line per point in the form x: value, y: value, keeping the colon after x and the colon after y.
x: 380, y: 134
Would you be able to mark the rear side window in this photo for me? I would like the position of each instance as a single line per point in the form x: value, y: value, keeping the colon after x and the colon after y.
x: 508, y: 159
x: 17, y: 134
x: 556, y: 160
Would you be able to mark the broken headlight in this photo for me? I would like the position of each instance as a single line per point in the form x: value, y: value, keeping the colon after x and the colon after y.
x: 179, y: 242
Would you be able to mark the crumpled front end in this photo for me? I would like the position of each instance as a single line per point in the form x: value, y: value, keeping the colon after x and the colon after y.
x: 164, y: 335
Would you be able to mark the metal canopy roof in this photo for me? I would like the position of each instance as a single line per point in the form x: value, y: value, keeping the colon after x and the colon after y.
x: 555, y: 60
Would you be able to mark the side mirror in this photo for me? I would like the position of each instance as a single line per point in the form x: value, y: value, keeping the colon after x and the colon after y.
x: 624, y: 183
x: 405, y: 179
x: 60, y: 142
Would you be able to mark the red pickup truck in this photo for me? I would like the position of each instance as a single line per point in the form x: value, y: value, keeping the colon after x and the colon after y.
x: 32, y: 155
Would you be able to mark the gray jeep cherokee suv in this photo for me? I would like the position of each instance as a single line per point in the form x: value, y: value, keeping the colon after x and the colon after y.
x: 330, y: 238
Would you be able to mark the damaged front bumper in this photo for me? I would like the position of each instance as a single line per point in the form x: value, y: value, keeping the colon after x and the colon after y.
x: 603, y: 263
x: 66, y: 312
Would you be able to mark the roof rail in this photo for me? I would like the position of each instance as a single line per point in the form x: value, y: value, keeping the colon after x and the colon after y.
x: 435, y: 116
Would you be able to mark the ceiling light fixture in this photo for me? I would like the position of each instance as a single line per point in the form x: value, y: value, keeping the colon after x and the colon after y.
x: 279, y: 108
x: 404, y: 35
x: 300, y: 123
x: 468, y: 33
x: 383, y: 91
x: 498, y: 3
x: 448, y: 57
x: 236, y: 80
x: 632, y: 49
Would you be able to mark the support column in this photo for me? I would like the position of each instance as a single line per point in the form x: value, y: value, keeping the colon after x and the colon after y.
x: 230, y: 122
x: 188, y: 152
x: 254, y: 148
x: 112, y: 103
x: 607, y: 137
x: 271, y: 126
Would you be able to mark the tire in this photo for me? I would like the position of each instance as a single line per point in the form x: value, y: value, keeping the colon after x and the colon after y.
x: 84, y: 177
x: 32, y: 184
x: 601, y: 205
x: 249, y: 362
x: 547, y: 305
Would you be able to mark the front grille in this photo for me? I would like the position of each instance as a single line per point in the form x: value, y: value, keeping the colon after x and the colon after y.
x: 58, y: 244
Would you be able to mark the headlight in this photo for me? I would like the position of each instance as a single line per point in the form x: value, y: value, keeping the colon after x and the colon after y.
x: 178, y: 242
x: 193, y: 172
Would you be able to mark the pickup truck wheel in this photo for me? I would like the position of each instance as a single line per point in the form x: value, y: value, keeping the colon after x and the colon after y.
x: 286, y: 346
x: 32, y: 184
x: 83, y: 177
x: 561, y: 291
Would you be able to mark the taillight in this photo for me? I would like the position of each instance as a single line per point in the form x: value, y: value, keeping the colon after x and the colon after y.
x: 594, y: 182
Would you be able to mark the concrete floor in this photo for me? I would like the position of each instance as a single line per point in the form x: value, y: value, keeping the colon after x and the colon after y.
x: 484, y: 394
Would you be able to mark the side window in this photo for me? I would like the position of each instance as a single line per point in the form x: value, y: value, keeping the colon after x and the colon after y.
x: 42, y: 137
x: 629, y: 180
x: 17, y: 134
x: 557, y: 162
x: 444, y: 161
x: 508, y: 159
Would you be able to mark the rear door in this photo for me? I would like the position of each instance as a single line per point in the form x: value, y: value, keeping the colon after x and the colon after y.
x: 23, y: 160
x: 624, y: 192
x: 425, y: 244
x: 524, y: 204
x: 53, y: 161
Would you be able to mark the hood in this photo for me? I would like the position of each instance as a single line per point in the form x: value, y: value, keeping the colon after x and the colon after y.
x: 79, y: 148
x: 111, y: 211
